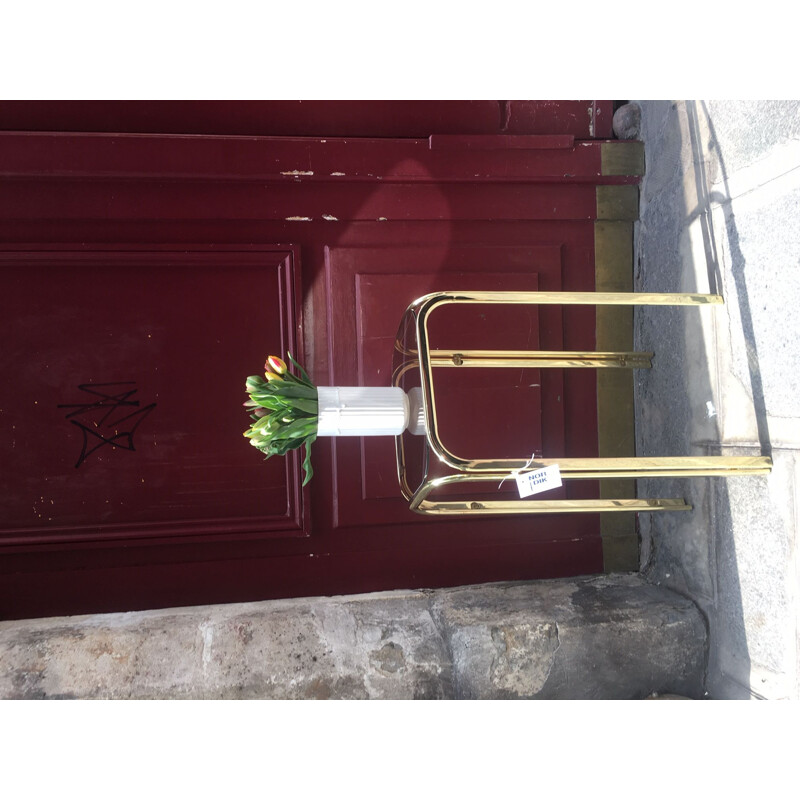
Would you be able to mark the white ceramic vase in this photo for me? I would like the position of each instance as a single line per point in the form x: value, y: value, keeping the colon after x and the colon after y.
x: 368, y: 411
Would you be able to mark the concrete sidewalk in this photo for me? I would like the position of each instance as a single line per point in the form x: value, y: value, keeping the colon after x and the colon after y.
x: 720, y: 212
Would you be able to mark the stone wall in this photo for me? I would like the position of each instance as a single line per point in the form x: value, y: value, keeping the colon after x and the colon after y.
x: 599, y: 637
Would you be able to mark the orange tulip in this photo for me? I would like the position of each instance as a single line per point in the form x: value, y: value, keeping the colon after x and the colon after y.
x: 276, y: 365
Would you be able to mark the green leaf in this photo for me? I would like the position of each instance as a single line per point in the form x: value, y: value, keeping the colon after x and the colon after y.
x: 309, y: 471
x: 269, y: 401
x: 310, y: 407
x: 281, y: 447
x: 286, y: 389
x: 262, y: 423
x: 302, y: 372
x: 291, y: 430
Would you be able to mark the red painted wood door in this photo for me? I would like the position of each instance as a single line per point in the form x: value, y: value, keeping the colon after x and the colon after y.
x: 146, y: 275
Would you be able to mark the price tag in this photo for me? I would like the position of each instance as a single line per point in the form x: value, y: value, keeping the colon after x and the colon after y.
x: 539, y: 480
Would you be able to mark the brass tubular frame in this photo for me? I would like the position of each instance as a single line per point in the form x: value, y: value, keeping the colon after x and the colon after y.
x: 633, y: 467
x: 421, y: 505
x: 493, y: 507
x: 428, y: 301
x: 537, y: 358
x: 521, y: 359
x: 571, y: 468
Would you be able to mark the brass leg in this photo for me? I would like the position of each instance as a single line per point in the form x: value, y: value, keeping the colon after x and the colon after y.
x: 520, y: 359
x: 425, y: 303
x: 637, y: 467
x: 538, y: 359
x: 421, y: 505
x: 549, y: 506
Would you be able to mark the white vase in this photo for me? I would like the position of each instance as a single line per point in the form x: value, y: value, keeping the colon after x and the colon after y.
x: 362, y: 411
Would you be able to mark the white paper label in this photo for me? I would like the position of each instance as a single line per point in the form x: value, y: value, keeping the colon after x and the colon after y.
x: 539, y: 480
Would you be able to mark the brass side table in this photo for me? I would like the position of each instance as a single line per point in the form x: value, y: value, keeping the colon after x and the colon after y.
x: 414, y: 362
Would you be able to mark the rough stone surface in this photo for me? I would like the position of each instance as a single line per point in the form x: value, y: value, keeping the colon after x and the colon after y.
x: 594, y: 637
x: 627, y: 121
x: 597, y: 637
x: 320, y: 649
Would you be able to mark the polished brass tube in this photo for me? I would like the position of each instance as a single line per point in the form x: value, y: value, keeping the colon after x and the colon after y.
x: 547, y: 506
x: 629, y: 467
x: 572, y: 298
x: 538, y: 359
x: 422, y: 505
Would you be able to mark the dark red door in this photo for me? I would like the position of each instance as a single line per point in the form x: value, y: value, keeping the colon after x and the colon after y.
x: 145, y: 276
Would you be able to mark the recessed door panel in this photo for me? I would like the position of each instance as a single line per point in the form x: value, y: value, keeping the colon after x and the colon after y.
x: 483, y: 413
x: 123, y: 371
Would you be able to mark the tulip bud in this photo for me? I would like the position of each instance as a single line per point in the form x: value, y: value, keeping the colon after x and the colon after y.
x: 271, y: 376
x: 276, y: 365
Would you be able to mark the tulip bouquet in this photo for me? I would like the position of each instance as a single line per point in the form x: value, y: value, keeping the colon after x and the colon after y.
x: 284, y: 408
